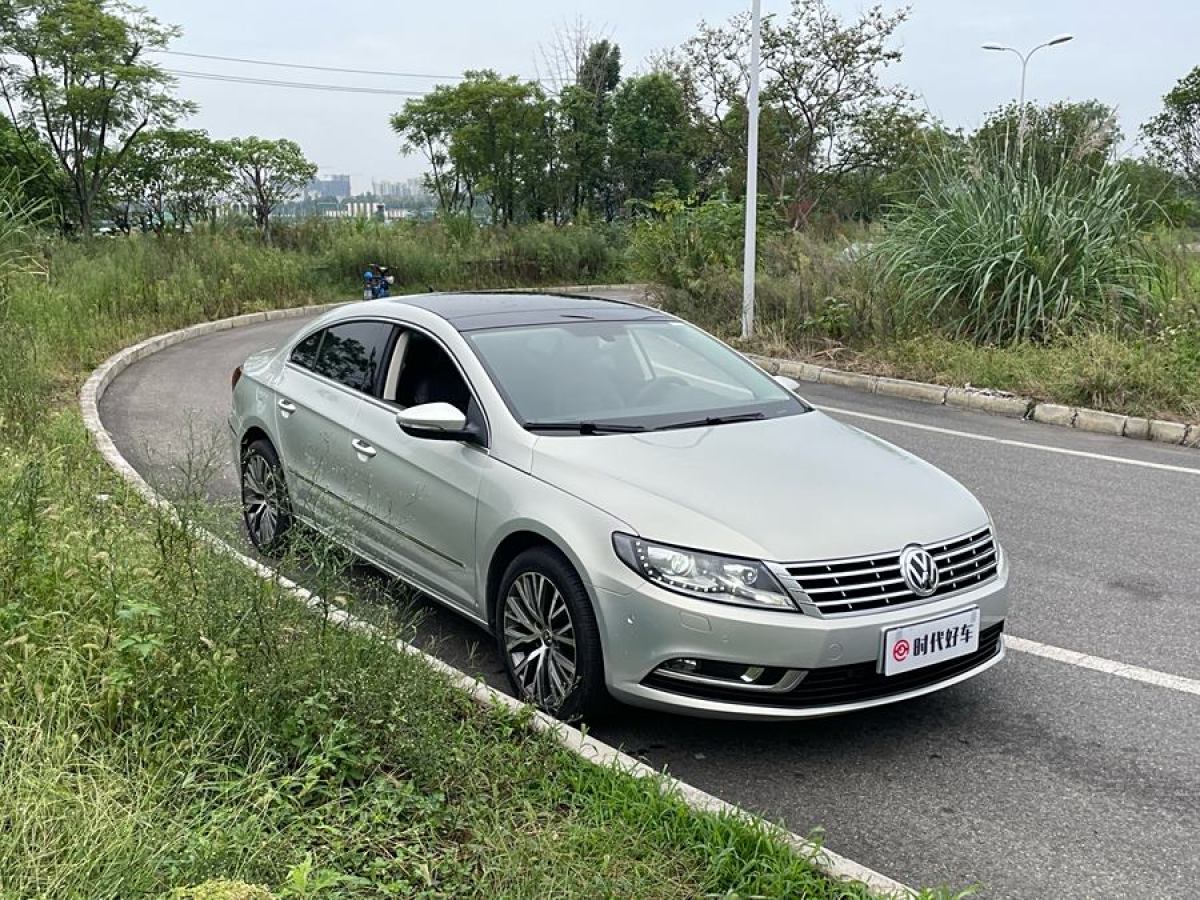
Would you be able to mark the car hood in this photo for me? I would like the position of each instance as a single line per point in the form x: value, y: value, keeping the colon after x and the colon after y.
x: 787, y: 489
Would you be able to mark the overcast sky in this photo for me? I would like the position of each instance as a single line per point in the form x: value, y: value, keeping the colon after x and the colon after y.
x: 1125, y: 53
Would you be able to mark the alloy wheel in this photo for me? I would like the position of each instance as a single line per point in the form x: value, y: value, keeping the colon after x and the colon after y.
x: 262, y: 499
x: 539, y: 638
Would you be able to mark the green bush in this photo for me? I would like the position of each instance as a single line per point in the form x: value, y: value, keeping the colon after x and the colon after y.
x: 676, y: 244
x: 998, y: 255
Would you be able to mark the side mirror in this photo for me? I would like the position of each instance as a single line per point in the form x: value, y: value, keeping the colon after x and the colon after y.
x: 436, y: 422
x: 790, y: 384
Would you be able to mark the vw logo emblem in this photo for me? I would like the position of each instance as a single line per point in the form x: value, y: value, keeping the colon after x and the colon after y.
x: 919, y: 570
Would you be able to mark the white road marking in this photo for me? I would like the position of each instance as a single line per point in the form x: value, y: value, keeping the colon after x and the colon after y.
x: 1107, y: 666
x: 970, y: 435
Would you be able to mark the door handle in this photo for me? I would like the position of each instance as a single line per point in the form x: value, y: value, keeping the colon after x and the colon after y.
x: 287, y: 407
x: 361, y: 446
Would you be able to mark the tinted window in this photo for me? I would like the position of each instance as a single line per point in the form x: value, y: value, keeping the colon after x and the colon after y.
x: 647, y: 374
x: 430, y: 376
x: 305, y: 352
x: 352, y: 354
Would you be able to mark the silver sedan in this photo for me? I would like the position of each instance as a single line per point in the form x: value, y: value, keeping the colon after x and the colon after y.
x: 632, y: 508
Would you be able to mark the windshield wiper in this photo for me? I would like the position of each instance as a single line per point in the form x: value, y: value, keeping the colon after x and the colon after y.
x: 584, y: 427
x: 713, y: 420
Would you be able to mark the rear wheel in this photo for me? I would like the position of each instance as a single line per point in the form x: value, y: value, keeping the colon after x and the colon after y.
x: 266, y: 509
x: 548, y: 636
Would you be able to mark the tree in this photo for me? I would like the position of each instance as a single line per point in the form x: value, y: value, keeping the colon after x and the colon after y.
x: 651, y: 137
x: 1158, y: 195
x: 265, y: 174
x: 37, y: 177
x: 585, y: 109
x: 426, y: 126
x: 823, y: 98
x: 1174, y: 134
x: 77, y: 73
x: 170, y: 179
x: 1080, y: 134
x: 485, y: 136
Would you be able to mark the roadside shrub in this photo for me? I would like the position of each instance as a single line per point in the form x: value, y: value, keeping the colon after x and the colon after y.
x: 676, y: 244
x: 544, y: 252
x: 999, y: 255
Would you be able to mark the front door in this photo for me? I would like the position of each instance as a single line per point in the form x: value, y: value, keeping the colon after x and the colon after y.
x: 419, y: 496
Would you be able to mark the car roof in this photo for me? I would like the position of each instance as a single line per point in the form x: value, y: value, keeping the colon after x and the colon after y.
x: 474, y: 311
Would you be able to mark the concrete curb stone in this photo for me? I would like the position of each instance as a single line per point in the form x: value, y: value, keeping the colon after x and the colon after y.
x: 1100, y: 422
x: 1054, y: 414
x: 1137, y: 428
x: 911, y: 390
x: 1167, y: 432
x: 985, y: 401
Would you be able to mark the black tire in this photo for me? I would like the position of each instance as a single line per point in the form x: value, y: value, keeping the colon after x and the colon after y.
x: 538, y: 674
x: 266, y: 507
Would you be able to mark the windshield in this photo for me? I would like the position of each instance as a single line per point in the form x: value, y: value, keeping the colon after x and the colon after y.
x: 625, y: 376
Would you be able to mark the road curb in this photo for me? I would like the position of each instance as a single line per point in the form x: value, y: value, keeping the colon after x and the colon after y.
x: 831, y: 864
x: 996, y: 402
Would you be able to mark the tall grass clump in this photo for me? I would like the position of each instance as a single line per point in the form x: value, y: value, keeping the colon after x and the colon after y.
x: 20, y: 379
x: 1000, y: 255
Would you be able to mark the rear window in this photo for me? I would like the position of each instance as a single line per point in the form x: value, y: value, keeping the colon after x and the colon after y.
x: 350, y: 354
x: 305, y: 352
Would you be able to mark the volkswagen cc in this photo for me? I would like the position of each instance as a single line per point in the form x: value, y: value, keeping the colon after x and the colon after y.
x: 633, y: 509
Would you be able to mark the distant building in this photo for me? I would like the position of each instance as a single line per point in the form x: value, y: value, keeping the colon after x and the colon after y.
x: 336, y: 186
x: 367, y: 209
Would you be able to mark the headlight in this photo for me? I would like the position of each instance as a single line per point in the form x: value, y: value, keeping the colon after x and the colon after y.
x: 726, y: 579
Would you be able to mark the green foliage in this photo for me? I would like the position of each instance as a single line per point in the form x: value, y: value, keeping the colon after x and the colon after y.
x: 1064, y: 135
x: 221, y: 889
x: 650, y: 137
x: 1159, y: 196
x: 1174, y: 133
x: 677, y: 244
x: 168, y: 718
x: 170, y: 179
x: 80, y: 74
x: 825, y: 103
x: 486, y: 137
x: 265, y: 173
x: 998, y: 255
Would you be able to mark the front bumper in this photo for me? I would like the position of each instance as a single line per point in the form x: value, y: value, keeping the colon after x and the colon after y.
x: 648, y: 627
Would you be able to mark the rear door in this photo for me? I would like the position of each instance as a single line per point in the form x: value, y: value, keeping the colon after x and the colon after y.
x: 321, y: 393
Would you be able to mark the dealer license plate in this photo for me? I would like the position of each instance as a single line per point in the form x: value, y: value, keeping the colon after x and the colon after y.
x: 928, y: 643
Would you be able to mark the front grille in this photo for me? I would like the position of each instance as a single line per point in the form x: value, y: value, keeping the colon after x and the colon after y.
x: 838, y: 685
x: 854, y: 585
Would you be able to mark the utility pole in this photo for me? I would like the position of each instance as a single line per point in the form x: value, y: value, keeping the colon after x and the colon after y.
x: 748, y: 261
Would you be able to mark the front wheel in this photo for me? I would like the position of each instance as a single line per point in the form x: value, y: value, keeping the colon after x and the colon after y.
x: 266, y: 509
x: 548, y: 636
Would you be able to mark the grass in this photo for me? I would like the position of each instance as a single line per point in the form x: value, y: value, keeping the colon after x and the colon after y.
x: 1000, y: 254
x: 172, y: 725
x: 167, y: 718
x: 97, y: 298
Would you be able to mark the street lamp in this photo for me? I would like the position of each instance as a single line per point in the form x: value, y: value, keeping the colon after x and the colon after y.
x: 748, y: 259
x: 1024, y: 57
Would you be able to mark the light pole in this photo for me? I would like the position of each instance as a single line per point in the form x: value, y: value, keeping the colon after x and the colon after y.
x: 751, y: 175
x: 1024, y: 57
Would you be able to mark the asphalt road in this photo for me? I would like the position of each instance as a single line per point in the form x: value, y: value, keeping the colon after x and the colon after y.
x: 1038, y: 779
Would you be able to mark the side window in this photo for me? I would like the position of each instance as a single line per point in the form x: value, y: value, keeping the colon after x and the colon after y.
x: 429, y: 375
x: 305, y: 353
x: 352, y: 354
